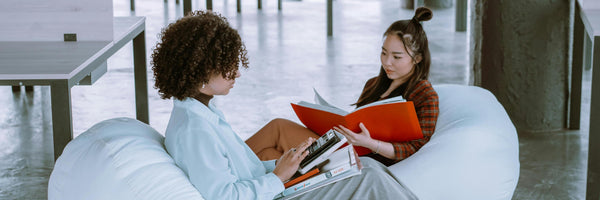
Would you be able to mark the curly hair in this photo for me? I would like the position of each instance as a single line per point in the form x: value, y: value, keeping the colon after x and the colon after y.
x: 191, y: 50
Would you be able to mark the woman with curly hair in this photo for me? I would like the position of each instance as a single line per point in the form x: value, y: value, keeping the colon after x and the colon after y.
x: 198, y: 57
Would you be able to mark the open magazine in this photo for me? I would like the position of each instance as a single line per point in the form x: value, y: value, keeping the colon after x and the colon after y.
x: 320, y: 150
x: 393, y: 119
x: 341, y: 164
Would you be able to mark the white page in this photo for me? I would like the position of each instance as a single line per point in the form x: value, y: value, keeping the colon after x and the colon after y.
x: 322, y: 104
x: 324, y: 108
x: 338, y: 158
x: 319, y: 100
x: 385, y: 101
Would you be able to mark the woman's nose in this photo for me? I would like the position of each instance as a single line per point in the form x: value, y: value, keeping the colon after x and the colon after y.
x: 386, y: 61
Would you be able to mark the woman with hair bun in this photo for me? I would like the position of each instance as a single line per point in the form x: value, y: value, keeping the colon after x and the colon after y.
x: 405, y: 63
x: 404, y: 70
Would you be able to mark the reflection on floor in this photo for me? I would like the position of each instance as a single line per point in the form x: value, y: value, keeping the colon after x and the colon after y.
x: 289, y: 55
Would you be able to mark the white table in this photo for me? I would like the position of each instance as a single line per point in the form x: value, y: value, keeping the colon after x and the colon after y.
x: 61, y: 65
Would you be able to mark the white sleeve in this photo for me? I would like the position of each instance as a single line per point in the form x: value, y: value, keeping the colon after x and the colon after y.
x: 209, y: 170
x: 270, y: 165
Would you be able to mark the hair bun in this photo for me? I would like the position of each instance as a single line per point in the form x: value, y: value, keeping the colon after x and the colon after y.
x: 423, y: 14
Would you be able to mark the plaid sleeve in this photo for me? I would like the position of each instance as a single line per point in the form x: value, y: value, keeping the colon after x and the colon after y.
x: 426, y: 104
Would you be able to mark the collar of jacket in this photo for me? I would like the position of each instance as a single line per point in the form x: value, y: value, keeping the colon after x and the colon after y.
x: 210, y: 112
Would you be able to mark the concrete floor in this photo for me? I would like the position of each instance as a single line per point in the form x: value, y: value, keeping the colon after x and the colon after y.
x: 289, y: 55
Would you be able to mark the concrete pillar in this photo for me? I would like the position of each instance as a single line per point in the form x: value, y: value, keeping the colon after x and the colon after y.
x: 520, y: 52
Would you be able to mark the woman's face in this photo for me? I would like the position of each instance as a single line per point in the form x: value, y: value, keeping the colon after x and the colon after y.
x: 217, y: 85
x: 395, y: 59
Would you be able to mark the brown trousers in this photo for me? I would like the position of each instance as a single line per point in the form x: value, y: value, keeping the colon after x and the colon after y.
x: 278, y: 136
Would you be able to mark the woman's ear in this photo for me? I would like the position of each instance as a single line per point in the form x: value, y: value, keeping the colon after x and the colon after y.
x: 418, y: 59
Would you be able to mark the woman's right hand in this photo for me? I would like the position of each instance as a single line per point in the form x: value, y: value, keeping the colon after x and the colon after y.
x: 289, y: 162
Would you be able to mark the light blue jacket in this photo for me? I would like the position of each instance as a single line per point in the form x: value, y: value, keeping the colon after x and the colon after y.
x: 218, y: 163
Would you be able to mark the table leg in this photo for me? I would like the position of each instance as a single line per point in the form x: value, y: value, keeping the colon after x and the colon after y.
x: 209, y: 5
x: 587, y: 47
x: 187, y: 7
x: 576, y: 72
x: 329, y: 17
x: 141, y: 84
x: 418, y: 3
x: 461, y: 15
x: 62, y: 122
x: 593, y: 176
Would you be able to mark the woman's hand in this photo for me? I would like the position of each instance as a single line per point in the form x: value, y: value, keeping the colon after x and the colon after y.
x: 289, y: 162
x: 357, y: 139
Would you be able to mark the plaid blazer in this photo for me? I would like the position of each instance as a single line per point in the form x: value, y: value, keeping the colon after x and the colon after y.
x: 426, y: 104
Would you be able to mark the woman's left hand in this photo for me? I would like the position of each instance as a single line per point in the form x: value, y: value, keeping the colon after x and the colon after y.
x: 357, y: 139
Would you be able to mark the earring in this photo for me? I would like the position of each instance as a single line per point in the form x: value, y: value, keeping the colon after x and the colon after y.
x: 203, y: 86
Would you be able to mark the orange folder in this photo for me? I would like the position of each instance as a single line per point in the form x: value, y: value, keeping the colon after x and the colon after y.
x: 392, y: 122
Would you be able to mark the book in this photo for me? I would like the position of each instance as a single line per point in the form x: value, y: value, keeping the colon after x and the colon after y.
x: 320, y: 150
x: 392, y: 120
x: 343, y: 164
x: 300, y: 177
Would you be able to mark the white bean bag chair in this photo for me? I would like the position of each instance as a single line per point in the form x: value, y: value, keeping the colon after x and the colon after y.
x: 116, y: 159
x: 472, y: 155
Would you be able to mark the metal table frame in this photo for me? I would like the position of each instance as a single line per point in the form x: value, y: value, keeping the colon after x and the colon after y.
x: 586, y: 42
